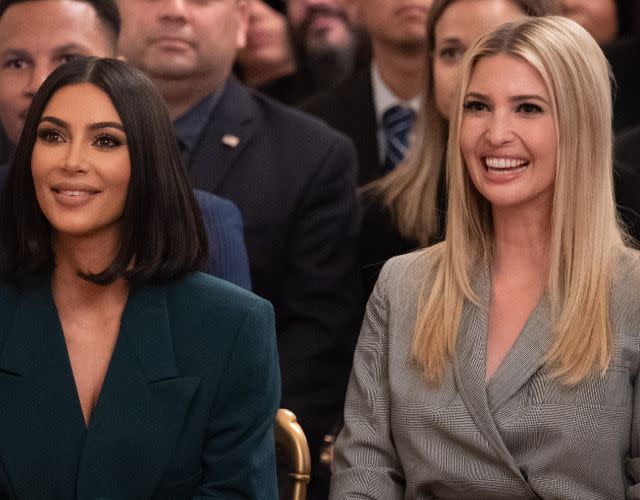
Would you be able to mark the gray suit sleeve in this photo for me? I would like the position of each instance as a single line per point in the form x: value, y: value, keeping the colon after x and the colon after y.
x: 367, y: 465
x: 633, y: 462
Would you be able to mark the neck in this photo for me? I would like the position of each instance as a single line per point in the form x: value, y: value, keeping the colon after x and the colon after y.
x: 401, y: 69
x: 522, y: 239
x: 87, y: 255
x: 180, y: 95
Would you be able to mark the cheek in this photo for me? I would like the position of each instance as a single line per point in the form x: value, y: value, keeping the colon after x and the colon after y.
x: 121, y: 176
x: 443, y: 83
x: 469, y: 136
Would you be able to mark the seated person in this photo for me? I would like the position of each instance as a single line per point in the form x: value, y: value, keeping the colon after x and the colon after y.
x: 502, y: 362
x: 90, y: 28
x: 125, y: 374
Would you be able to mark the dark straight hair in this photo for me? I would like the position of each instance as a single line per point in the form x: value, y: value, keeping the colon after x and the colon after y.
x: 106, y: 10
x: 162, y: 233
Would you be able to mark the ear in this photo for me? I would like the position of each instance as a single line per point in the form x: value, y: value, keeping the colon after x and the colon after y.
x: 242, y: 13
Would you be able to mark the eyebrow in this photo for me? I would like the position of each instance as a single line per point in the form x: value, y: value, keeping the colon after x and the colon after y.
x: 62, y: 49
x: 451, y: 39
x: 71, y: 47
x: 515, y: 98
x: 15, y: 53
x: 92, y: 126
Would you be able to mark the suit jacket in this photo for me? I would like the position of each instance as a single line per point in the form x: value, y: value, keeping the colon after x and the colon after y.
x: 623, y: 58
x: 186, y: 409
x: 349, y: 108
x: 626, y: 180
x: 227, y: 258
x: 293, y: 179
x: 521, y: 435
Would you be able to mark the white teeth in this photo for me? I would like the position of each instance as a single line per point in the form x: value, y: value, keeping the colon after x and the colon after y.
x: 73, y: 193
x: 497, y: 171
x: 504, y: 162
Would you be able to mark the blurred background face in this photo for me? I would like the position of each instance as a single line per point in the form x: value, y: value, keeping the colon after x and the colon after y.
x: 319, y: 25
x: 459, y: 26
x: 35, y: 38
x: 267, y: 38
x: 598, y: 17
x: 182, y: 39
x: 395, y: 22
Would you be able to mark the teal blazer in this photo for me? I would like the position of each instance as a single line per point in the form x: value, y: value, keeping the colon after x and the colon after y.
x: 186, y: 409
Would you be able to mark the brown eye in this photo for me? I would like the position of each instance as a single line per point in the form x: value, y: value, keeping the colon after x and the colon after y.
x: 106, y: 141
x: 50, y: 135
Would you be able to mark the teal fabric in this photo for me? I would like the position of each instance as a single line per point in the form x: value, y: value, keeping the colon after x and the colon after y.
x: 186, y: 409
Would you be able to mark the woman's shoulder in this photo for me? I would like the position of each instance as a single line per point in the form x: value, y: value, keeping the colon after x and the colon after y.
x: 625, y: 290
x: 627, y: 268
x: 201, y: 295
x: 408, y: 273
x: 208, y: 315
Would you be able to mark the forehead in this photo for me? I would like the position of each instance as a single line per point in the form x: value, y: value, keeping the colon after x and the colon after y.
x: 46, y: 24
x: 469, y: 19
x: 505, y: 75
x: 80, y: 104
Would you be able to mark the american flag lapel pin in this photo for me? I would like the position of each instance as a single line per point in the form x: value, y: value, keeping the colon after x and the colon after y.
x: 230, y: 140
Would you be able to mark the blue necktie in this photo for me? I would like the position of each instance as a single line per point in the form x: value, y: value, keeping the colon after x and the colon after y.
x: 397, y: 122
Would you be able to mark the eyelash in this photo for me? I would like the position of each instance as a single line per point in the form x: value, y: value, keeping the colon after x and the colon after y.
x: 526, y: 108
x: 474, y: 106
x: 103, y: 141
x: 113, y: 142
x: 48, y: 133
x: 451, y: 54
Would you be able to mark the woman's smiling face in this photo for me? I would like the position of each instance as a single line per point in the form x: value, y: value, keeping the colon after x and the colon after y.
x: 80, y: 162
x: 508, y: 133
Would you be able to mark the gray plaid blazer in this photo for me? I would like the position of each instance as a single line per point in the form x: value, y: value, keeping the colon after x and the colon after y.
x: 521, y: 435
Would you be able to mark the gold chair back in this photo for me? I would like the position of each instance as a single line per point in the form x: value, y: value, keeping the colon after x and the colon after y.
x: 290, y: 436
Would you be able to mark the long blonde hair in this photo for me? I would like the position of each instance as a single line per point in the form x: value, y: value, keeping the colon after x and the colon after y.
x: 585, y: 233
x: 411, y: 191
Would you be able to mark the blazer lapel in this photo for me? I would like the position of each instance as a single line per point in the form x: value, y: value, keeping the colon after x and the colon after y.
x: 227, y: 133
x: 470, y: 368
x: 524, y: 359
x: 142, y: 406
x: 41, y: 425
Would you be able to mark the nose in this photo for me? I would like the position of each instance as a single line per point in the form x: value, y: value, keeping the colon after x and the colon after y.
x: 173, y: 10
x: 499, y: 130
x: 75, y: 158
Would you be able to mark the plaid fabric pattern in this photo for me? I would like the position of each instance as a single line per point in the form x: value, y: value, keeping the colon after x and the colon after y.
x: 521, y: 435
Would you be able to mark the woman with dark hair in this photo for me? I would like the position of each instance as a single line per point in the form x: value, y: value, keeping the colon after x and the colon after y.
x: 125, y: 374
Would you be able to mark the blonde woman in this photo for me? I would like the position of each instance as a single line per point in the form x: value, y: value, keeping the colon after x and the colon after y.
x: 405, y: 209
x: 502, y: 362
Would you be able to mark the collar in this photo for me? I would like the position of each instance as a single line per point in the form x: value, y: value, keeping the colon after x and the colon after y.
x: 384, y: 98
x: 190, y: 125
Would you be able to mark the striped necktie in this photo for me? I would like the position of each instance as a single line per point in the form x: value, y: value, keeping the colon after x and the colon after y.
x: 396, y: 123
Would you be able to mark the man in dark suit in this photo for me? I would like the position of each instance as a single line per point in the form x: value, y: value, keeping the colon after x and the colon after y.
x: 292, y: 177
x: 76, y: 28
x: 392, y: 82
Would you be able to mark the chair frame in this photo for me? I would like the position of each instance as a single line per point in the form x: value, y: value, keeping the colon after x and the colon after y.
x: 290, y: 436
